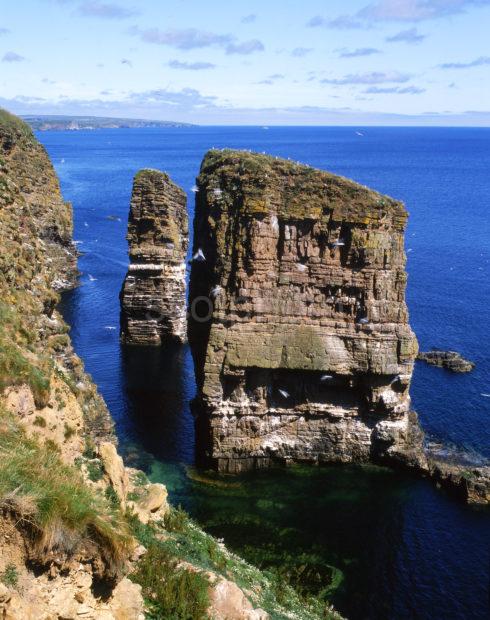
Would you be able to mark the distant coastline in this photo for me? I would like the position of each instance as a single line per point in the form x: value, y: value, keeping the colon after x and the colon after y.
x: 91, y: 123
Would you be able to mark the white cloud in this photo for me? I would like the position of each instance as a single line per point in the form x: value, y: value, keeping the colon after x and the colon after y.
x: 478, y: 62
x: 373, y: 77
x: 396, y: 90
x: 410, y: 36
x: 245, y: 48
x: 416, y: 10
x: 103, y: 10
x: 190, y: 66
x: 12, y: 57
x: 360, y: 51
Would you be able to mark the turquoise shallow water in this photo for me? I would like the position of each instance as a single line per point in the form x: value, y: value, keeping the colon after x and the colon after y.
x: 400, y: 548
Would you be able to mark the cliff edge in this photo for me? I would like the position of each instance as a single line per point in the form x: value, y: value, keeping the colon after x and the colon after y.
x: 81, y: 534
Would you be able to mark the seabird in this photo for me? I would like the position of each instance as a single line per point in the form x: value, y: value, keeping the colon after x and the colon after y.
x: 199, y: 256
x: 363, y: 321
x: 217, y: 191
x: 338, y: 243
x: 325, y: 377
x: 215, y: 291
x: 283, y: 393
x: 486, y: 395
x: 194, y: 189
x: 301, y: 267
x: 91, y: 278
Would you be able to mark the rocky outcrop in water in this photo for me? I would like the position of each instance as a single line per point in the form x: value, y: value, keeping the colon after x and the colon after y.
x: 307, y: 354
x: 153, y: 304
x: 450, y: 360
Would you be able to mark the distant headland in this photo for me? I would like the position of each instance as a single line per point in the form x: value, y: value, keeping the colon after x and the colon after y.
x: 87, y: 123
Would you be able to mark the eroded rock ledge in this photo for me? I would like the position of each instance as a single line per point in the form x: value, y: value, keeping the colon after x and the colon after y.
x: 450, y: 360
x: 153, y: 294
x: 308, y: 354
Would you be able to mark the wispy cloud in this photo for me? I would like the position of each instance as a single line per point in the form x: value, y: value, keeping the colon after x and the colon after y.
x: 105, y: 10
x: 374, y: 77
x: 192, y: 38
x: 411, y: 36
x: 186, y: 39
x: 299, y: 52
x: 343, y: 22
x: 249, y: 19
x: 190, y: 66
x: 12, y: 57
x: 360, y: 51
x: 4, y: 31
x: 396, y: 11
x: 416, y: 10
x: 270, y: 79
x: 395, y: 90
x: 478, y: 62
x: 245, y: 48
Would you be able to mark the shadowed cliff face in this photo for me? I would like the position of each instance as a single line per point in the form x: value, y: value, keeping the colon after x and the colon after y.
x: 307, y: 354
x: 153, y: 293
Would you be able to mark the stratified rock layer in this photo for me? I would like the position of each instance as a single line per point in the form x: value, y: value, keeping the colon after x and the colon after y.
x: 153, y: 305
x: 308, y: 354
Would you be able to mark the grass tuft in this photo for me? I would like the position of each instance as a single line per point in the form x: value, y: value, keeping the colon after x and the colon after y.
x: 52, y: 501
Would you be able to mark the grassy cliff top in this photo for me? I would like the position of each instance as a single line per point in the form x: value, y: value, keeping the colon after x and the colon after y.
x: 271, y: 185
x: 13, y: 124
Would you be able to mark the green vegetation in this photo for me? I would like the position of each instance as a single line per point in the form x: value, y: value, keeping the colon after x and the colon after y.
x: 9, y: 122
x: 39, y: 421
x: 10, y: 576
x: 184, y: 541
x: 95, y: 470
x: 15, y: 366
x: 69, y: 432
x: 51, y: 500
x: 171, y: 591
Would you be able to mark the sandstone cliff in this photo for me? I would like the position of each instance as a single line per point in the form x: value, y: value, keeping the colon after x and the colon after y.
x: 308, y: 353
x: 81, y: 535
x: 153, y: 294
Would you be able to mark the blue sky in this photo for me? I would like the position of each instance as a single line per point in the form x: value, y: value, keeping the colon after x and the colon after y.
x: 361, y: 62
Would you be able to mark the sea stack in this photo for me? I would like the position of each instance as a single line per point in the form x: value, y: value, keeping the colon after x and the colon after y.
x: 298, y: 322
x: 153, y: 303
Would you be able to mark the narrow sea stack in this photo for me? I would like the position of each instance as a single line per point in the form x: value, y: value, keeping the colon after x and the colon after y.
x: 298, y: 322
x: 153, y: 304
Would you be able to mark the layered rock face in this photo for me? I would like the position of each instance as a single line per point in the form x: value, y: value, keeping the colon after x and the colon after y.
x: 153, y: 304
x: 307, y: 354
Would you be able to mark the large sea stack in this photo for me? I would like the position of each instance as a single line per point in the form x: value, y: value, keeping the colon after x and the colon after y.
x: 153, y: 304
x: 307, y: 354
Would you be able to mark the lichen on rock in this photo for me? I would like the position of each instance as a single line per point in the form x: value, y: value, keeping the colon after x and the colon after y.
x: 153, y: 302
x: 308, y: 354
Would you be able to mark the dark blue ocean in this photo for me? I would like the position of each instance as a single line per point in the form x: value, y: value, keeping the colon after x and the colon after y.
x: 400, y: 548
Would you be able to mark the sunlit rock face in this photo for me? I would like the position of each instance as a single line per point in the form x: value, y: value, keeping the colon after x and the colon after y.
x: 153, y: 304
x: 298, y: 322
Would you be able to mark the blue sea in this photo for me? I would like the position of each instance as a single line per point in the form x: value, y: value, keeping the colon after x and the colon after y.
x: 397, y: 547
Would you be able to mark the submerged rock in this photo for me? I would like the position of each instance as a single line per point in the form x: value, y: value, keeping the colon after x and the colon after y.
x: 451, y: 360
x: 153, y: 307
x: 298, y: 323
